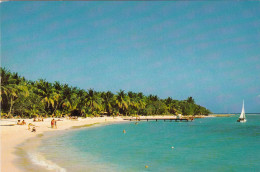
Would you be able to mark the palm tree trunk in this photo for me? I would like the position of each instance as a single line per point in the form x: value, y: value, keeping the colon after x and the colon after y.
x: 56, y: 107
x: 11, y: 106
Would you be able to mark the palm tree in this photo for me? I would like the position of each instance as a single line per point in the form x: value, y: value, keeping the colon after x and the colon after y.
x: 190, y: 100
x: 168, y: 101
x: 93, y: 101
x: 141, y: 105
x: 57, y: 96
x: 66, y: 98
x: 121, y: 101
x: 13, y: 92
x: 5, y: 75
x: 12, y: 87
x: 153, y: 97
x: 107, y: 101
x: 47, y: 93
x: 133, y: 105
x: 76, y: 100
x: 80, y: 101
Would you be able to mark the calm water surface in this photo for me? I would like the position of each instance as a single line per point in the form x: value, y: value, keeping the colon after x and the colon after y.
x: 209, y: 144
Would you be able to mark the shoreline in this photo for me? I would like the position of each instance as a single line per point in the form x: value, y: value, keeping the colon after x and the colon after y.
x: 12, y: 136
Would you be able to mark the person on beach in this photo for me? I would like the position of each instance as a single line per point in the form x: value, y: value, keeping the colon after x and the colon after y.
x: 34, y: 129
x: 23, y: 122
x: 19, y: 123
x: 52, y: 123
x: 55, y: 124
x: 29, y: 126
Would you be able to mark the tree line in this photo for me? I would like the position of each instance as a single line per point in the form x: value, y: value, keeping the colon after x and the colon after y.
x: 25, y: 98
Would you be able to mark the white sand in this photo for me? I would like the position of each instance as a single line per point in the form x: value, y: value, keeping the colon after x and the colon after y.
x: 12, y: 136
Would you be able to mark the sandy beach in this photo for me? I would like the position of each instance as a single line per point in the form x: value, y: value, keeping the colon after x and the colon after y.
x: 13, y: 135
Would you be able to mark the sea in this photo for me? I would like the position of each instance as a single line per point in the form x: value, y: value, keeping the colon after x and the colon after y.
x: 206, y: 144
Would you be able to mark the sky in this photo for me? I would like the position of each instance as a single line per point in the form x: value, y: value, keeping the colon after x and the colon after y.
x: 207, y: 50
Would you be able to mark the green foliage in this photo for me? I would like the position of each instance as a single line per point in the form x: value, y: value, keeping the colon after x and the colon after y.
x: 20, y: 97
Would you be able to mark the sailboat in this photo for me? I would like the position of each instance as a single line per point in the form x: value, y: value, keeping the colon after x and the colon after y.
x: 242, y: 117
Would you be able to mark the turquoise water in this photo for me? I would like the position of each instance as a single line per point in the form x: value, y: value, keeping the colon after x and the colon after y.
x: 209, y: 144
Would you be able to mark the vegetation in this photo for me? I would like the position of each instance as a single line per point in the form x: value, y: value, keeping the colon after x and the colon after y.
x: 20, y: 97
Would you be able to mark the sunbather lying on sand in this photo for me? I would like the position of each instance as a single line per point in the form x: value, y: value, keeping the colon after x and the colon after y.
x: 19, y: 122
x: 23, y: 122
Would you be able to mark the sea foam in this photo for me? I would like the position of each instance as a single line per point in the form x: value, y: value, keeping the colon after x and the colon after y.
x: 40, y: 160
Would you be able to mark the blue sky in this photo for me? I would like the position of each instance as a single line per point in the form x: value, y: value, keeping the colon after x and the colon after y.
x: 207, y: 50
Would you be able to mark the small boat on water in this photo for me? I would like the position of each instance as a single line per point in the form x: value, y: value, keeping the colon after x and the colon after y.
x: 242, y: 117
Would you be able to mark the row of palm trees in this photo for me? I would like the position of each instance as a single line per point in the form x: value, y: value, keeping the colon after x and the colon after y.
x: 20, y: 97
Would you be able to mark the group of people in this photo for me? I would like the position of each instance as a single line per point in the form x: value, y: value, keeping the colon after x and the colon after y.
x: 21, y: 123
x: 38, y: 120
x: 73, y: 117
x: 29, y: 125
x: 53, y: 123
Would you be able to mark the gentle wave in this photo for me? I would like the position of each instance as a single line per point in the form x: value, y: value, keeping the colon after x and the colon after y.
x: 38, y: 159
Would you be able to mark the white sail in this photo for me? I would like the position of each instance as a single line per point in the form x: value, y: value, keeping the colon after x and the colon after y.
x: 242, y: 115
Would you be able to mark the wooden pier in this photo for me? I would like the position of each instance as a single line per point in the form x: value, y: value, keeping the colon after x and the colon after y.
x: 161, y: 119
